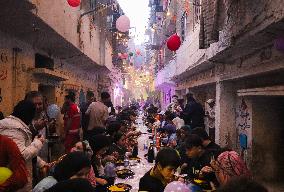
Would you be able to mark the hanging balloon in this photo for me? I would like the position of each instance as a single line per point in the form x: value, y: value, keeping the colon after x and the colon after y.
x: 279, y: 44
x: 138, y: 52
x: 130, y: 54
x: 53, y: 111
x: 125, y: 55
x: 174, y: 42
x: 74, y: 3
x: 123, y: 23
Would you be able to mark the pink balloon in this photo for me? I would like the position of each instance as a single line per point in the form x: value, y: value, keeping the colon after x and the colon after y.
x: 123, y: 23
x: 125, y: 55
x: 177, y: 186
x: 138, y: 52
x: 119, y: 55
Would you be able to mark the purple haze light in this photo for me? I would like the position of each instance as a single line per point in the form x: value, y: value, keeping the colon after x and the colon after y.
x: 279, y: 44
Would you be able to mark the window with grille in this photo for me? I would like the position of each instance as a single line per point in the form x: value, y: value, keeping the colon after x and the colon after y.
x: 183, y: 25
x: 93, y: 5
x: 196, y: 11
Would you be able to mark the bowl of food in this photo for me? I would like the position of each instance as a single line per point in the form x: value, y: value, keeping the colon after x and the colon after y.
x: 124, y: 173
x: 123, y: 187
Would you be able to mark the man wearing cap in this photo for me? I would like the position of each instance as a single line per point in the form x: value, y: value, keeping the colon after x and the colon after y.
x: 210, y: 116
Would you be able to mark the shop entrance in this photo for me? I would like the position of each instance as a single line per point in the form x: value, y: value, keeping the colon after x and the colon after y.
x: 48, y: 91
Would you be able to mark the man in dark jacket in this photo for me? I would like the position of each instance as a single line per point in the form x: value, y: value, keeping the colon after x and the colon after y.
x: 198, y: 158
x: 155, y: 180
x: 193, y: 113
x: 209, y: 146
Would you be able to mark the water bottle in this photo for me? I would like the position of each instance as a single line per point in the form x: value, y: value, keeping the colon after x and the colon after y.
x: 145, y: 145
x: 135, y: 151
x: 151, y: 154
x: 126, y: 161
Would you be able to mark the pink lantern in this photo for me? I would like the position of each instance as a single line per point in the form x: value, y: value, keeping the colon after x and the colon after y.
x: 174, y: 42
x: 177, y: 186
x: 123, y: 23
x: 74, y: 3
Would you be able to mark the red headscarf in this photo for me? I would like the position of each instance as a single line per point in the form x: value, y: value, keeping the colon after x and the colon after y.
x: 232, y: 164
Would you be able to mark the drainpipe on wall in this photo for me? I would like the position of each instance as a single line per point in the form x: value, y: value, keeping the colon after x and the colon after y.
x: 16, y: 50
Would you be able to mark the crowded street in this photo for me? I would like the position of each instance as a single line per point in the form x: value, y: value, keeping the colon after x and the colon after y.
x: 142, y: 96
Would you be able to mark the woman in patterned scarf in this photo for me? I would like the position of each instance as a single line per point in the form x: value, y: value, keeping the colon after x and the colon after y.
x: 229, y: 165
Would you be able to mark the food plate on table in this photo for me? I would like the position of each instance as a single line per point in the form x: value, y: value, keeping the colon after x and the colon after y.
x: 120, y: 187
x: 119, y: 163
x: 124, y: 173
x: 138, y: 159
x: 205, y: 185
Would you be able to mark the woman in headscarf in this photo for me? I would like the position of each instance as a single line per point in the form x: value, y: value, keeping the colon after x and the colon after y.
x: 72, y: 185
x: 229, y: 165
x: 73, y: 165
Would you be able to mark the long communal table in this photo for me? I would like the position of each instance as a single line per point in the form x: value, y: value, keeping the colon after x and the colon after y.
x: 140, y: 168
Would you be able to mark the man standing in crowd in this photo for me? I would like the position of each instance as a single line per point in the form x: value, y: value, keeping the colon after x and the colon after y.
x: 40, y: 120
x: 90, y: 97
x: 71, y: 121
x: 38, y: 127
x: 210, y: 115
x: 174, y: 106
x: 98, y: 114
x: 193, y: 114
x: 109, y: 104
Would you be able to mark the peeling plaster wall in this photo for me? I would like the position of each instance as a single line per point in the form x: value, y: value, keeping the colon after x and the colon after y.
x: 267, y: 132
x: 242, y: 18
x: 15, y: 82
x: 65, y: 20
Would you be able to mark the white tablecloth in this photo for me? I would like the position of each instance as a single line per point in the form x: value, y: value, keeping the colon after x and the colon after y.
x: 141, y: 168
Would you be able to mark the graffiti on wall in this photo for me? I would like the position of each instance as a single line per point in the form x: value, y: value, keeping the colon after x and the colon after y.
x: 3, y: 71
x: 244, y: 128
x: 3, y: 74
x: 243, y: 116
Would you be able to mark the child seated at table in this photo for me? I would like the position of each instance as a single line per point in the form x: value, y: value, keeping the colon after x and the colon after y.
x: 155, y: 180
x: 118, y: 145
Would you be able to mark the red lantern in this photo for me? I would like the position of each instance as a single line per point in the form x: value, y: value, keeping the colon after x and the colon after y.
x: 174, y: 42
x: 74, y: 3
